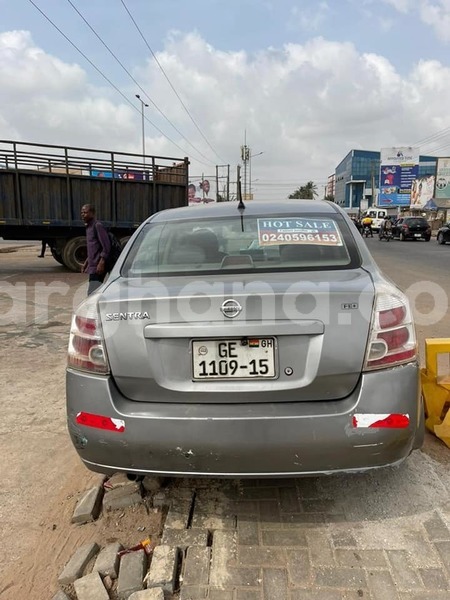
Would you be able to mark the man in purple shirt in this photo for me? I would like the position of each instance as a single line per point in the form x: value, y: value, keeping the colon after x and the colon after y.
x: 98, y: 248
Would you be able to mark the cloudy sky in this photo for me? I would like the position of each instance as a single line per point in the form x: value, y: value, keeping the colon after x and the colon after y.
x: 305, y: 80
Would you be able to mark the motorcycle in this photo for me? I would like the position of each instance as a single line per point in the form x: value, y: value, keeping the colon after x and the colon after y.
x: 385, y: 234
x: 366, y: 231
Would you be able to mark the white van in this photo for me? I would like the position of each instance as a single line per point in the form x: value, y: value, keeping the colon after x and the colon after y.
x: 377, y: 215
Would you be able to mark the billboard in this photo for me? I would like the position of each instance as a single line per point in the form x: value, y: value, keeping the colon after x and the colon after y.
x: 422, y: 192
x: 398, y: 169
x: 442, y: 190
x: 201, y: 191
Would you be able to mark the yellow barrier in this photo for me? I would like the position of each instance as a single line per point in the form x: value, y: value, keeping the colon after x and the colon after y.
x: 436, y: 390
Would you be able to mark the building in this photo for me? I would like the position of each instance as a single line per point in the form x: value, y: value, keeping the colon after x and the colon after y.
x: 331, y: 185
x: 357, y: 178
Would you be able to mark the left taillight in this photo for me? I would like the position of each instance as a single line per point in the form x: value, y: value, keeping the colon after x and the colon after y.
x: 86, y: 344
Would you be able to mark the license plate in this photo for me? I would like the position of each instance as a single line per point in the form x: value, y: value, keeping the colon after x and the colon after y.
x: 417, y: 235
x: 245, y: 358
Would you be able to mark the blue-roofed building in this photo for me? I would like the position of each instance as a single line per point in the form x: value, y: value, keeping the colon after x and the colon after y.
x: 357, y: 178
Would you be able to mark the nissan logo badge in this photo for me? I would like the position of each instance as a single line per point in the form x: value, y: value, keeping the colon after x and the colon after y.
x: 231, y: 308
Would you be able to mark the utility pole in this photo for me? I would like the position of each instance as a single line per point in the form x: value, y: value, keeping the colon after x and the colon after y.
x: 143, y: 105
x: 245, y: 157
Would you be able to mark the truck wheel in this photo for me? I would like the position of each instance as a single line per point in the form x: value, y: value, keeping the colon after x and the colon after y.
x: 57, y: 256
x: 75, y: 253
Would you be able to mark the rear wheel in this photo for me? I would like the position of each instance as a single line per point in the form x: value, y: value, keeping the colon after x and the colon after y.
x: 440, y: 238
x: 74, y: 253
x: 57, y: 256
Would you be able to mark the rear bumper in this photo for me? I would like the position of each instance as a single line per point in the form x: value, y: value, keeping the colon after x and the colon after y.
x: 285, y: 439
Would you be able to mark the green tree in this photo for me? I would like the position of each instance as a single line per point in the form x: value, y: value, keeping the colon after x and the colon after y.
x: 308, y: 191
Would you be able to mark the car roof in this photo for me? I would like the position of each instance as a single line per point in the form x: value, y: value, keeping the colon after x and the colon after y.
x: 252, y: 208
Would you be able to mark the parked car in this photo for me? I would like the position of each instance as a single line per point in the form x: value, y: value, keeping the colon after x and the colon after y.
x: 443, y: 234
x: 196, y: 359
x: 412, y: 228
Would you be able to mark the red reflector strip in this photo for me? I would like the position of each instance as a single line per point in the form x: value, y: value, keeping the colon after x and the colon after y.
x: 382, y: 421
x: 100, y: 422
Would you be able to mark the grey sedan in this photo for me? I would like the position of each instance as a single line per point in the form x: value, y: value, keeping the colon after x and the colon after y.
x: 255, y: 342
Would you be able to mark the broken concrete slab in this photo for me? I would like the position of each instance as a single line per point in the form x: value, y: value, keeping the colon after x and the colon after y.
x: 88, y: 507
x: 163, y: 569
x: 90, y: 587
x: 75, y: 567
x: 107, y: 562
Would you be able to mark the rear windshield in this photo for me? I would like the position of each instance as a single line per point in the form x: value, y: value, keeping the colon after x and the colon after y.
x: 417, y: 221
x: 249, y: 244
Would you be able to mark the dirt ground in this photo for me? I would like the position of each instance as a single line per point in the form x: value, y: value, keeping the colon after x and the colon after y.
x: 42, y: 476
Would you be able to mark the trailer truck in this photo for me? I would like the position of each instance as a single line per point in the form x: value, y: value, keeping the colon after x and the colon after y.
x: 43, y: 187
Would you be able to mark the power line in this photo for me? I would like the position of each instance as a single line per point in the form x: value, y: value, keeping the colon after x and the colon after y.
x: 133, y: 79
x: 106, y: 78
x: 170, y: 83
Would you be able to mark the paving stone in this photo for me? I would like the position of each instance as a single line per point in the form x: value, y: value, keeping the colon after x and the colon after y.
x: 193, y: 592
x: 381, y: 585
x: 160, y: 500
x: 434, y: 579
x: 213, y: 523
x: 151, y: 484
x: 302, y: 519
x: 60, y: 596
x: 302, y: 594
x: 183, y: 538
x: 443, y: 549
x: 322, y: 505
x: 241, y: 576
x: 76, y: 565
x: 320, y: 548
x: 361, y: 558
x: 247, y: 594
x: 215, y: 594
x: 422, y: 553
x: 90, y: 587
x: 163, y: 568
x: 299, y: 566
x: 275, y: 584
x: 343, y: 539
x: 261, y: 493
x: 88, y: 506
x: 153, y: 594
x: 269, y: 512
x: 196, y: 566
x: 223, y: 550
x: 424, y: 596
x: 259, y: 556
x: 179, y: 512
x: 107, y: 562
x: 341, y: 578
x: 122, y: 496
x: 245, y: 507
x: 283, y: 537
x: 405, y: 577
x: 131, y: 573
x: 248, y: 532
x: 436, y: 529
x: 289, y: 501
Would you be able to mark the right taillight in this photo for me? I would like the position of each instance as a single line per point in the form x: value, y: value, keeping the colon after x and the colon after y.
x: 392, y: 339
x: 86, y: 344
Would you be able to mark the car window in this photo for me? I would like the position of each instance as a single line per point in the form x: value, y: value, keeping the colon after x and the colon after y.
x: 234, y: 245
x: 417, y: 221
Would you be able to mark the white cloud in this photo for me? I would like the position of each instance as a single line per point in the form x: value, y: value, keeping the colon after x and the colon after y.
x: 309, y: 19
x: 304, y: 105
x: 437, y: 14
x: 403, y: 6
